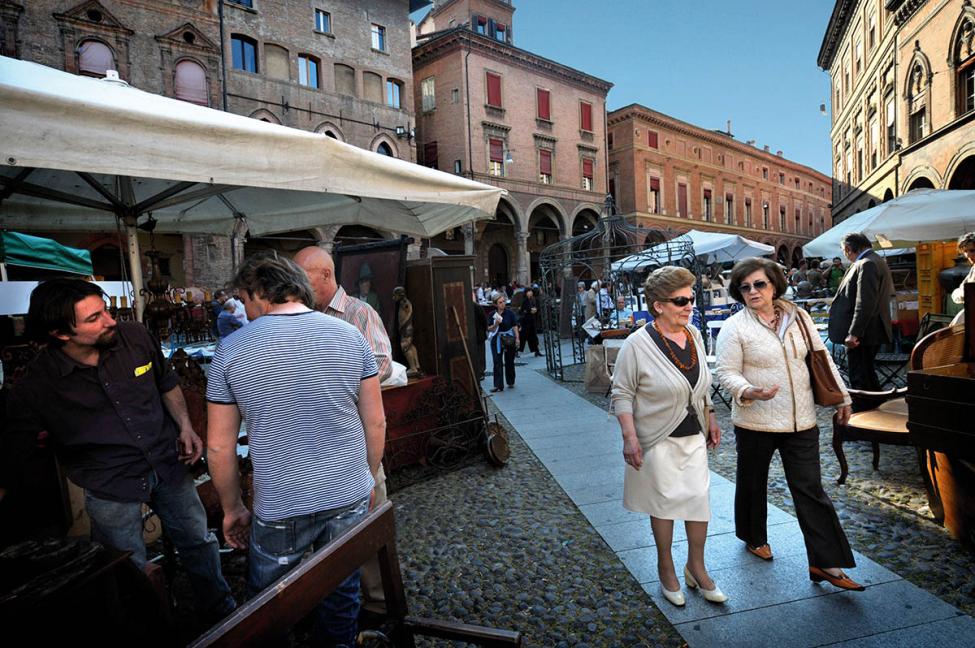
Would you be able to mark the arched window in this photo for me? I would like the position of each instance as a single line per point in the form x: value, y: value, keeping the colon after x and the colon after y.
x: 276, y: 62
x: 963, y: 61
x: 191, y: 83
x: 394, y: 92
x: 308, y: 70
x: 372, y: 87
x: 344, y: 80
x: 244, y: 50
x: 918, y: 95
x: 95, y: 58
x: 384, y: 149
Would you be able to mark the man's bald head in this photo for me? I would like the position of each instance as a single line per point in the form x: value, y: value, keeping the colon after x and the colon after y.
x: 320, y: 268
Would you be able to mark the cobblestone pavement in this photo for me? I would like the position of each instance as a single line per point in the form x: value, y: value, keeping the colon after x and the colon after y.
x: 507, y: 547
x: 885, y: 513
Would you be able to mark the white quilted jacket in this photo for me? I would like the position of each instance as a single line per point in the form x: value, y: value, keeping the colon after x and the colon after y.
x: 749, y: 354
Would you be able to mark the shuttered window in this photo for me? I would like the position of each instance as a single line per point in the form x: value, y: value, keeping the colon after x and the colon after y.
x: 652, y: 139
x: 587, y: 168
x: 682, y: 199
x: 544, y: 109
x: 545, y: 162
x: 585, y: 116
x: 497, y: 150
x: 654, y: 184
x: 494, y: 90
x: 191, y: 83
x: 95, y: 58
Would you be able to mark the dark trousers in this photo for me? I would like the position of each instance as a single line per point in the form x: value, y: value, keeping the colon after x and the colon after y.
x: 504, y: 366
x: 860, y: 364
x: 528, y: 335
x: 826, y: 543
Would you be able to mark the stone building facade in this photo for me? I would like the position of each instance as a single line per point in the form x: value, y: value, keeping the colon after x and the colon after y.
x: 339, y: 67
x: 504, y: 116
x: 667, y: 173
x: 903, y: 98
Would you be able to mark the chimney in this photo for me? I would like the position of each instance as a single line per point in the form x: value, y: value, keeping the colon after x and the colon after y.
x: 729, y: 127
x: 766, y: 149
x: 778, y: 153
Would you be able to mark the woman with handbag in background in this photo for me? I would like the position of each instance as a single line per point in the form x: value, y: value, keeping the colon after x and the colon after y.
x: 503, y: 335
x: 765, y: 355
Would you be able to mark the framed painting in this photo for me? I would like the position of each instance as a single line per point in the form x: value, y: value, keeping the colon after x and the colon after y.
x: 370, y: 271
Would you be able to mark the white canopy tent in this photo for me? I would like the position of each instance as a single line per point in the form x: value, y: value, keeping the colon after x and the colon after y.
x: 718, y: 247
x: 919, y: 215
x: 80, y: 154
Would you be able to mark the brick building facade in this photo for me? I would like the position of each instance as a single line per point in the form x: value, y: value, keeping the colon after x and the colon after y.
x: 336, y: 67
x: 504, y: 116
x: 903, y: 98
x: 667, y: 173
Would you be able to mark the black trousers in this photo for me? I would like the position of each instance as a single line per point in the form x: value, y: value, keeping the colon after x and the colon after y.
x: 826, y: 543
x: 860, y: 363
x: 528, y: 335
x: 504, y: 366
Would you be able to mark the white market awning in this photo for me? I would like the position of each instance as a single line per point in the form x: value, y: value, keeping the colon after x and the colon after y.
x: 717, y: 247
x: 69, y: 146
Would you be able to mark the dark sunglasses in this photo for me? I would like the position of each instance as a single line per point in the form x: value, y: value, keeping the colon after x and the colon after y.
x: 680, y: 302
x: 758, y: 285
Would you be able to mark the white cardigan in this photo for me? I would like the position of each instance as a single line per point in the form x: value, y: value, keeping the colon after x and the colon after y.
x: 647, y: 385
x: 750, y: 354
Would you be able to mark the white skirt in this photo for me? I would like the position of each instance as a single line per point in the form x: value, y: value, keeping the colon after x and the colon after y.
x: 673, y: 482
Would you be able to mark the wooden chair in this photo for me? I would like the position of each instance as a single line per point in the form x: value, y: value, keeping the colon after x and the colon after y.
x: 284, y: 603
x: 881, y: 417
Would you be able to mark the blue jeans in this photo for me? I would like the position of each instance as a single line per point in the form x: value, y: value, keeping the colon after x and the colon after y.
x: 119, y: 525
x: 277, y: 546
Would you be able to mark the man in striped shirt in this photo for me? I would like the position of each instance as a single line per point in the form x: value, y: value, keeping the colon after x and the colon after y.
x: 308, y: 388
x: 331, y: 299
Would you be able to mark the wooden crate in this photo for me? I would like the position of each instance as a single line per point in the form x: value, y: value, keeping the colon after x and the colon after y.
x: 932, y: 258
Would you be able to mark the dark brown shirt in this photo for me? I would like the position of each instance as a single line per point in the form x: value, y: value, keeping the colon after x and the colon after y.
x: 690, y: 425
x: 108, y: 424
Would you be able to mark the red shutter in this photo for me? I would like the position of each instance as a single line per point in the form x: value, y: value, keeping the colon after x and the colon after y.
x: 587, y: 168
x: 543, y: 104
x: 585, y: 110
x: 682, y: 199
x: 654, y: 184
x: 729, y: 196
x: 652, y: 139
x: 707, y: 194
x: 497, y: 150
x: 545, y: 162
x: 494, y: 90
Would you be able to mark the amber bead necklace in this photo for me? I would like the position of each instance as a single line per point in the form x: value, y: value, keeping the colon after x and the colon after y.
x: 673, y: 356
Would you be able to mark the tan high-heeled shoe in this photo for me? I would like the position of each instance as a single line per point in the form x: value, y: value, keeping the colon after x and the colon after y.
x: 715, y: 595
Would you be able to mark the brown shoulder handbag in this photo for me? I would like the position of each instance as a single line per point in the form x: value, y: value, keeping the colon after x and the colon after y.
x: 825, y: 390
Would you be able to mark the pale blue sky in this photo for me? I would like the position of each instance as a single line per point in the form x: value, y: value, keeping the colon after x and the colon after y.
x: 702, y: 61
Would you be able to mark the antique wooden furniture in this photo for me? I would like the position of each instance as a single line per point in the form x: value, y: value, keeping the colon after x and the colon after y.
x: 284, y: 603
x: 878, y: 417
x: 942, y: 425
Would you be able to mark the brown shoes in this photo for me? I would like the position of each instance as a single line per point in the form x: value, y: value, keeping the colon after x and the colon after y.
x: 764, y: 552
x: 842, y: 581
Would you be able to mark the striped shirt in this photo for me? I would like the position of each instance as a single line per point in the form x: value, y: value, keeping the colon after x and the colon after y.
x: 365, y: 318
x: 295, y: 379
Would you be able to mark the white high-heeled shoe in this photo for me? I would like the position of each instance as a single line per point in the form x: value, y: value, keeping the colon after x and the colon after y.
x: 715, y: 595
x: 676, y: 598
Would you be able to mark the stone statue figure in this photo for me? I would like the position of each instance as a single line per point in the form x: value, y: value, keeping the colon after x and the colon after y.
x: 405, y: 320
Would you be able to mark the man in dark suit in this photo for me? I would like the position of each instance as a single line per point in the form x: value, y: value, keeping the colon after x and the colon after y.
x: 860, y: 314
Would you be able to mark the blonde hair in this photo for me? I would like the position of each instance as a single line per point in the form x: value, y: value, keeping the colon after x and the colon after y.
x: 663, y: 282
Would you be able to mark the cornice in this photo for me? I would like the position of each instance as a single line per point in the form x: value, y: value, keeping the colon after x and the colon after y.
x: 904, y: 9
x: 644, y: 114
x: 834, y: 32
x: 441, y: 43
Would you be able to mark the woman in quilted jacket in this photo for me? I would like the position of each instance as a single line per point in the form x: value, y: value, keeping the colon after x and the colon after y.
x: 761, y: 361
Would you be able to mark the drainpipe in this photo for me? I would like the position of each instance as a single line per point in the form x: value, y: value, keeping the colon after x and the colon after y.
x: 467, y: 92
x: 223, y: 57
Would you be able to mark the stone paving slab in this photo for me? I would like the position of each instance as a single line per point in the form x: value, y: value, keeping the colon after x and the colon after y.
x: 821, y: 620
x: 754, y: 586
x: 771, y: 603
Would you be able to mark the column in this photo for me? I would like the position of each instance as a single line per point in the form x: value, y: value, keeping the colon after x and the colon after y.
x: 521, y: 246
x: 468, y: 230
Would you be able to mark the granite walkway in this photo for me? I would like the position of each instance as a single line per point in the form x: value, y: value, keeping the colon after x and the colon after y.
x: 770, y: 603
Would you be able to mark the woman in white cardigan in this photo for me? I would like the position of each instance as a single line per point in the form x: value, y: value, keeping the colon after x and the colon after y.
x: 761, y: 361
x: 661, y: 398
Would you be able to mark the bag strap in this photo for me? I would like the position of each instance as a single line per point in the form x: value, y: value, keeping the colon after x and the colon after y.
x: 805, y: 331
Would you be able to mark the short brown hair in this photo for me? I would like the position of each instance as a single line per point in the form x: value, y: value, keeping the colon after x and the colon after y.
x: 274, y: 278
x: 966, y: 241
x: 747, y: 266
x: 662, y: 282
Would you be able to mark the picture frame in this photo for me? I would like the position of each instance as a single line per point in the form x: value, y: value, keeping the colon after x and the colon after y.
x: 375, y: 268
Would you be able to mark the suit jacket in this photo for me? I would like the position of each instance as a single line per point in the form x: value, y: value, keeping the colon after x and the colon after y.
x: 861, y: 307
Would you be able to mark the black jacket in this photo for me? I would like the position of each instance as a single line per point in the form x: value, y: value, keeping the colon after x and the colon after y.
x: 861, y: 307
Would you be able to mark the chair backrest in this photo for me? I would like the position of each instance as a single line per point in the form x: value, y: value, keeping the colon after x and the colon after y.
x: 943, y: 346
x: 932, y: 322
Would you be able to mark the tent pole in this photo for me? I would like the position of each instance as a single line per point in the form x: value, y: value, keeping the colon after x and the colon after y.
x: 135, y: 266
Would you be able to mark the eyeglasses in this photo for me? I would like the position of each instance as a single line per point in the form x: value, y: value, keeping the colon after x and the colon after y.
x: 758, y: 285
x: 680, y: 302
